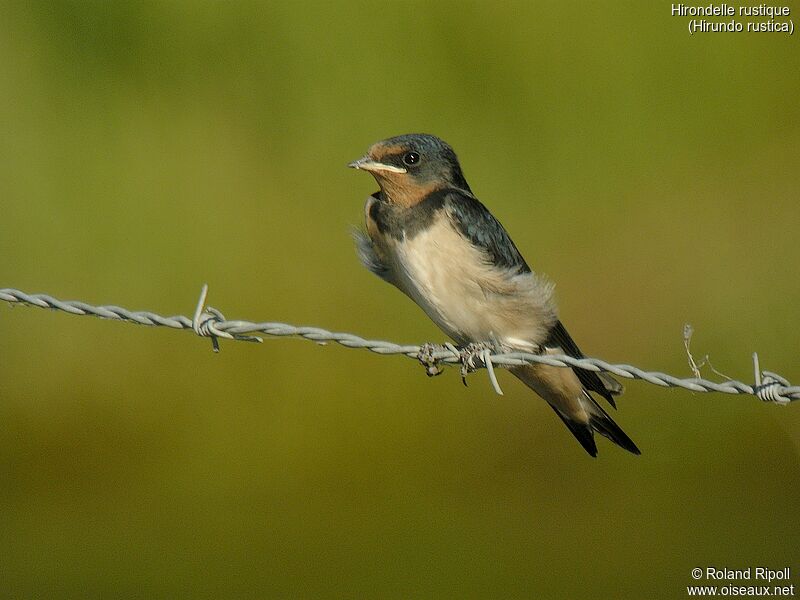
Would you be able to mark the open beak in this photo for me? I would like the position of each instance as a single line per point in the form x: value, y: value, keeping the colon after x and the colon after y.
x: 367, y: 164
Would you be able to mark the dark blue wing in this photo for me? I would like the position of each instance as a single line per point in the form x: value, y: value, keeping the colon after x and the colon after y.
x: 477, y: 224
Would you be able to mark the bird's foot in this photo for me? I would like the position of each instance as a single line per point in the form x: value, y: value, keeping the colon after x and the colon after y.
x: 473, y: 356
x: 426, y: 356
x: 469, y: 355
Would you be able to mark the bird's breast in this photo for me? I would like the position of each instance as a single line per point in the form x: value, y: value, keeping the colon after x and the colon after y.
x: 464, y: 294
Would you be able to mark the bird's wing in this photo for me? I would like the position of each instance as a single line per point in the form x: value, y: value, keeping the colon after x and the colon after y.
x: 477, y: 224
x: 600, y: 383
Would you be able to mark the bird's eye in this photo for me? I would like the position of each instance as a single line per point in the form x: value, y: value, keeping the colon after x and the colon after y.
x: 411, y: 158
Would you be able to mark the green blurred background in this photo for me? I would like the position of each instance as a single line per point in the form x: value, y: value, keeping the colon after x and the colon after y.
x: 146, y: 148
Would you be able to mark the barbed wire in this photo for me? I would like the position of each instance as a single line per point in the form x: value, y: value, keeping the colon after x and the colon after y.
x: 209, y: 322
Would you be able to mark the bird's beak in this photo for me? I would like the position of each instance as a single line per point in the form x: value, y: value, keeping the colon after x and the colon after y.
x: 367, y: 164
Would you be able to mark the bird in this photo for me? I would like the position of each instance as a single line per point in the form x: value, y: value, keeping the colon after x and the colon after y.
x: 428, y: 235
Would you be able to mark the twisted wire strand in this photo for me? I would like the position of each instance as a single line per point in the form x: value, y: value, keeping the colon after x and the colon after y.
x: 209, y: 322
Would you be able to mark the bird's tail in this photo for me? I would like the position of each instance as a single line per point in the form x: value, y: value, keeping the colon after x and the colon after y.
x: 574, y: 406
x: 602, y: 423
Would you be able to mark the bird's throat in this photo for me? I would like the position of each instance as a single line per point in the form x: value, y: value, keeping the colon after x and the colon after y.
x: 403, y: 195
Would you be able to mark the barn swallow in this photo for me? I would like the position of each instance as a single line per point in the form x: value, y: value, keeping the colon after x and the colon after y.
x: 429, y: 236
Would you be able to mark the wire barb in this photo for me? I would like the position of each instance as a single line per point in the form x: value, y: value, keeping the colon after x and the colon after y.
x: 209, y: 322
x: 205, y: 322
x: 768, y: 387
x: 486, y: 356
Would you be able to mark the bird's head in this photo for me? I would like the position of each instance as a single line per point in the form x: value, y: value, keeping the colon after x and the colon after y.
x: 409, y: 167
